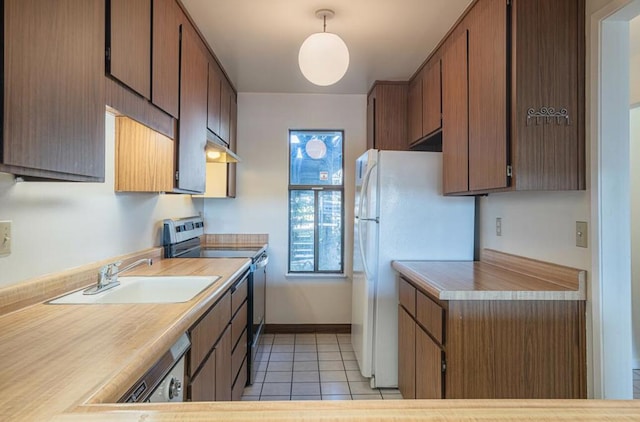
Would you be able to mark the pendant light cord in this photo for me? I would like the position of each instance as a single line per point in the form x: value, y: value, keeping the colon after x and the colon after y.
x: 324, y: 28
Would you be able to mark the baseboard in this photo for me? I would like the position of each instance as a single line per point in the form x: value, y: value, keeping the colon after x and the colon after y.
x: 307, y: 328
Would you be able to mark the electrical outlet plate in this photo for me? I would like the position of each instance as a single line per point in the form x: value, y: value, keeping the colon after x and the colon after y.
x: 5, y: 238
x: 581, y: 234
x: 498, y: 226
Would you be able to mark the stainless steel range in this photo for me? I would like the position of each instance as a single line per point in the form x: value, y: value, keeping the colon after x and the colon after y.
x: 182, y: 239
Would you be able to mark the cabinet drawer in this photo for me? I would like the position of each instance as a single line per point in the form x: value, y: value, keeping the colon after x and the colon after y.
x: 239, y: 323
x: 203, y: 386
x: 239, y: 294
x: 206, y: 332
x: 238, y: 355
x: 407, y: 295
x: 429, y: 315
x: 241, y: 382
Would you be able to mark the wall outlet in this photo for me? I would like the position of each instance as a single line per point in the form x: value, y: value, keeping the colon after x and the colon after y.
x: 581, y: 234
x: 5, y: 238
x: 498, y: 226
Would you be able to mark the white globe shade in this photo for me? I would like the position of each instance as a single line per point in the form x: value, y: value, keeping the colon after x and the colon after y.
x: 323, y: 58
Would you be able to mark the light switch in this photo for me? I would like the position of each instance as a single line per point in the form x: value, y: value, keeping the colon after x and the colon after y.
x: 5, y: 238
x: 581, y: 234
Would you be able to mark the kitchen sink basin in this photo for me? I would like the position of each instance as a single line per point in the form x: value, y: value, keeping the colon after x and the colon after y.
x: 147, y: 289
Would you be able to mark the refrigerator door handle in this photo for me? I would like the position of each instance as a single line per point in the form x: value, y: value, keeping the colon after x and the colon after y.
x: 365, y: 186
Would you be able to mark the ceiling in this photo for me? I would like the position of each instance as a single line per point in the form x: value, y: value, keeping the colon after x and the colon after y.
x: 257, y: 41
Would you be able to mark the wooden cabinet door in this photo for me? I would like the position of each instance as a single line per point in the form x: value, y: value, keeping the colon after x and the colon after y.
x: 225, y: 110
x: 233, y: 146
x: 431, y: 99
x: 428, y: 367
x: 214, y: 93
x: 371, y: 121
x: 415, y: 109
x: 487, y: 25
x: 455, y: 121
x: 548, y: 45
x: 129, y: 44
x: 53, y: 89
x: 406, y: 354
x: 193, y: 113
x: 165, y: 59
x: 203, y: 385
x: 224, y: 380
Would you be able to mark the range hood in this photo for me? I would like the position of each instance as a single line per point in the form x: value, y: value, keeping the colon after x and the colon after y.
x: 217, y: 152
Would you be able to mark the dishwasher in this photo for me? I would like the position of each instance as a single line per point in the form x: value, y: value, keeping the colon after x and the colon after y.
x: 164, y: 381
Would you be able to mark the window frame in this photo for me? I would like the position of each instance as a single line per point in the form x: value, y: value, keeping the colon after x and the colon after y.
x: 316, y: 189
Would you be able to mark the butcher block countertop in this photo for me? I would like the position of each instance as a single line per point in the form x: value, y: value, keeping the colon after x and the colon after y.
x: 497, y: 276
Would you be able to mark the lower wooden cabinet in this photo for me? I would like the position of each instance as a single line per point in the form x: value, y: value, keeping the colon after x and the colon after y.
x: 217, y: 369
x: 490, y: 349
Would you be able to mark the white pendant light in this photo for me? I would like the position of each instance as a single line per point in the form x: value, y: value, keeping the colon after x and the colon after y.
x: 323, y: 56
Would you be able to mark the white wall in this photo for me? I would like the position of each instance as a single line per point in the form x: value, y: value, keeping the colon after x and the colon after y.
x: 538, y: 225
x: 57, y: 226
x: 635, y: 230
x: 634, y: 74
x: 261, y: 205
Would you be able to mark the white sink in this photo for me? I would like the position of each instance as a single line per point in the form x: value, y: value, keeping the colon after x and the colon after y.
x: 148, y: 289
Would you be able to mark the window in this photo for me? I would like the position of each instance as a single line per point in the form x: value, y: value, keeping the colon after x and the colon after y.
x: 316, y: 193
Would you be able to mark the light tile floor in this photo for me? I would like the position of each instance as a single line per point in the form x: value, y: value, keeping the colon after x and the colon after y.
x: 311, y: 367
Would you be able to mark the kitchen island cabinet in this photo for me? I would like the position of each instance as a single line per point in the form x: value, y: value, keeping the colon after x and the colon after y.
x: 503, y: 328
x: 54, y: 96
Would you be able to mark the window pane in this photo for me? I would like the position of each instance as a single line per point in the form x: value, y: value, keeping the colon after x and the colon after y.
x: 330, y: 231
x: 315, y: 158
x: 301, y: 230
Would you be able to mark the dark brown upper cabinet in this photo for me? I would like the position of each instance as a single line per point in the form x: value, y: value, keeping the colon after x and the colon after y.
x: 129, y: 44
x: 455, y: 116
x: 214, y: 92
x: 387, y: 116
x: 165, y: 58
x: 225, y: 110
x: 53, y: 89
x: 415, y: 109
x: 431, y: 99
x: 192, y: 133
x: 525, y: 98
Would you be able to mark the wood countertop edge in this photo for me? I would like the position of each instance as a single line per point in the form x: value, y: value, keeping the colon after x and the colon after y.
x: 114, y: 386
x: 424, y: 410
x: 433, y: 288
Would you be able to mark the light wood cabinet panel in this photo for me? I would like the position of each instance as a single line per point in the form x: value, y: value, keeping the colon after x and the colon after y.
x: 238, y: 355
x: 206, y: 332
x: 193, y: 113
x: 129, y: 44
x: 455, y: 116
x: 516, y: 349
x: 431, y: 99
x: 429, y: 315
x: 224, y: 374
x: 407, y: 295
x: 240, y: 383
x: 214, y: 95
x: 488, y: 95
x: 415, y: 109
x: 387, y: 116
x: 406, y: 354
x: 239, y: 324
x: 428, y: 367
x: 144, y: 158
x: 54, y: 96
x: 165, y: 59
x: 203, y: 385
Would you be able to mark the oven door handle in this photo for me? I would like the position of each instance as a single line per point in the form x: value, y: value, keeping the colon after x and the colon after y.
x: 261, y: 263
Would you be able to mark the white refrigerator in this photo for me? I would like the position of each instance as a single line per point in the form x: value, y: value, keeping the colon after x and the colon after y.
x: 400, y: 214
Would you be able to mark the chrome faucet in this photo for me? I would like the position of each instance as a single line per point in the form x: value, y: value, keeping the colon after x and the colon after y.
x: 108, y: 275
